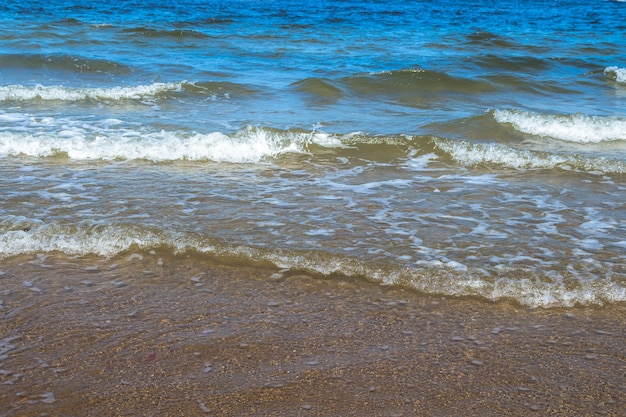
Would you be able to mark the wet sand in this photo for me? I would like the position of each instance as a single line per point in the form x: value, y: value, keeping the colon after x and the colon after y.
x: 148, y: 335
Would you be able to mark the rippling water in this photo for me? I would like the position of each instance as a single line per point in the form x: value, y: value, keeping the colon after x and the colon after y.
x: 458, y: 148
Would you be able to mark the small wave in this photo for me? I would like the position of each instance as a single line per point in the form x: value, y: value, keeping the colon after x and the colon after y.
x: 412, y: 83
x: 245, y: 146
x: 118, y: 93
x: 488, y: 39
x: 616, y: 73
x: 320, y: 88
x: 81, y: 239
x: 477, y: 154
x: 436, y: 277
x: 213, y: 88
x: 577, y: 128
x: 508, y: 81
x: 46, y: 93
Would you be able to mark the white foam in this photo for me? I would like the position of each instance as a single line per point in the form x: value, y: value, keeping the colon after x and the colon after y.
x: 370, y: 187
x: 421, y: 162
x: 484, y: 229
x: 12, y: 117
x: 616, y: 73
x: 473, y: 154
x: 577, y: 128
x: 40, y: 92
x: 438, y: 275
x: 82, y: 142
x: 88, y: 238
x: 452, y: 278
x: 47, y: 239
x: 320, y: 232
x: 534, y: 293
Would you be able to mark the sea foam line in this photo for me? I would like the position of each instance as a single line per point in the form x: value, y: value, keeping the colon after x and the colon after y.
x: 84, y: 238
x: 47, y: 93
x: 446, y: 278
x: 577, y: 128
x: 473, y: 154
x: 246, y: 146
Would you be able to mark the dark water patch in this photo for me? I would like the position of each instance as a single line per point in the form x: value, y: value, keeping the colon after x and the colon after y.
x: 599, y: 49
x: 336, y: 19
x: 512, y: 63
x: 319, y: 89
x: 528, y: 84
x: 177, y: 34
x: 476, y: 128
x: 70, y: 21
x: 488, y: 39
x: 297, y: 26
x: 203, y: 20
x: 219, y: 88
x: 80, y: 8
x: 583, y: 65
x: 70, y: 63
x: 363, y: 149
x: 415, y: 86
x: 459, y: 42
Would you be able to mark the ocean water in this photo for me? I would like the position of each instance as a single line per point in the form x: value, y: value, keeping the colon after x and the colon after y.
x: 459, y: 148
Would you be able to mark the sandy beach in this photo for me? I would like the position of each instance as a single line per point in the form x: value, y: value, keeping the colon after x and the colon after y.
x: 144, y: 336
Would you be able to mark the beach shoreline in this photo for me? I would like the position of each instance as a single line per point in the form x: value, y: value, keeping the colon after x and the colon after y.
x: 171, y: 337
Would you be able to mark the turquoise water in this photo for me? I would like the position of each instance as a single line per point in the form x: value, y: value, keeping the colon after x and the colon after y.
x: 460, y: 148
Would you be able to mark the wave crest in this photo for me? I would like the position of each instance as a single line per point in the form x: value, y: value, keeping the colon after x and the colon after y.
x: 411, y: 82
x: 476, y: 154
x: 59, y: 93
x: 245, y: 146
x: 616, y: 73
x: 577, y: 128
x: 147, y: 93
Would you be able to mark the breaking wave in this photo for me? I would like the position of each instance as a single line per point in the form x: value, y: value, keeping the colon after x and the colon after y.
x: 430, y: 277
x: 115, y: 140
x: 244, y: 146
x: 119, y: 93
x: 577, y: 128
x: 477, y: 154
x: 44, y: 93
x: 616, y: 73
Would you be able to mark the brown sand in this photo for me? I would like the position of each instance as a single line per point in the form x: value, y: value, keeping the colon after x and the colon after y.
x: 183, y: 338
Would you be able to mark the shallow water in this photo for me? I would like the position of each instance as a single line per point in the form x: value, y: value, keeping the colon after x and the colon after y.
x: 459, y: 149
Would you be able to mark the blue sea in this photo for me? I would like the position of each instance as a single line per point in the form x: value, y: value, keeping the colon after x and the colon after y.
x: 470, y: 149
